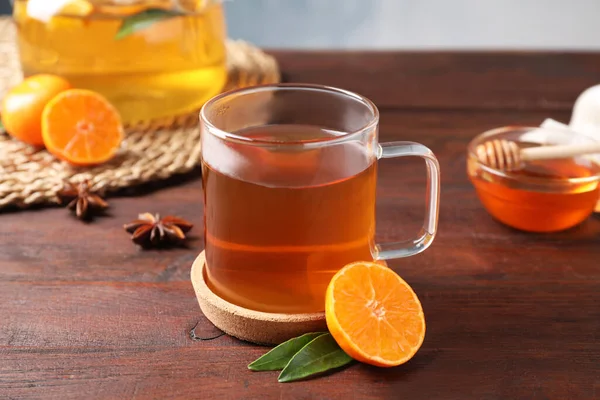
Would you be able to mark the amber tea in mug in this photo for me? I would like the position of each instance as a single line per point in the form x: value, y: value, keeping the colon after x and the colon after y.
x: 289, y: 177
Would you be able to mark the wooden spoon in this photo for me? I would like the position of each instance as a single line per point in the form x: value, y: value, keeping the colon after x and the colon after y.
x: 507, y: 156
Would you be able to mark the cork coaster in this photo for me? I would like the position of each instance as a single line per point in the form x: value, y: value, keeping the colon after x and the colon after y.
x: 152, y: 150
x: 252, y: 326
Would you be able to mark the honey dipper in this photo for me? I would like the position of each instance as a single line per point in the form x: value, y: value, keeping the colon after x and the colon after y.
x: 507, y: 156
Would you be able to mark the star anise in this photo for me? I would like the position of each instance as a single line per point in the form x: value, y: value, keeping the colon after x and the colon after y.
x: 152, y: 230
x: 80, y: 199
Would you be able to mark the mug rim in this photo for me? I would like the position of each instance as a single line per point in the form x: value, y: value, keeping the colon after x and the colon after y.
x: 229, y: 136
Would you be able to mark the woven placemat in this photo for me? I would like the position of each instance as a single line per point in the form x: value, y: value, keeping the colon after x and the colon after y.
x: 151, y: 151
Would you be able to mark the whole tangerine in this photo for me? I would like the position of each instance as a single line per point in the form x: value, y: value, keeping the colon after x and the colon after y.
x: 24, y: 103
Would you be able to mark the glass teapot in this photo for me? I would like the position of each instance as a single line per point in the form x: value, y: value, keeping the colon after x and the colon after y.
x: 151, y: 59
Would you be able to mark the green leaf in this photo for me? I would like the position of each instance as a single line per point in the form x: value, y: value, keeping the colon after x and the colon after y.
x: 2, y: 129
x: 320, y: 355
x: 143, y: 20
x: 279, y: 356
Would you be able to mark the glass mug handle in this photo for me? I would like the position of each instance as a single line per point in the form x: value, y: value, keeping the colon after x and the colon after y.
x: 411, y: 247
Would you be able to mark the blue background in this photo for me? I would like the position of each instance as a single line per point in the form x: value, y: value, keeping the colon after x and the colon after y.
x: 414, y: 24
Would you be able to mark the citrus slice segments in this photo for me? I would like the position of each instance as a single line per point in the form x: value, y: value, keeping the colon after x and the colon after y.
x: 81, y: 127
x: 374, y: 315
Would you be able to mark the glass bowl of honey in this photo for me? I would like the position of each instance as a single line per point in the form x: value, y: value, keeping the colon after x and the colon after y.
x: 151, y: 58
x: 543, y: 195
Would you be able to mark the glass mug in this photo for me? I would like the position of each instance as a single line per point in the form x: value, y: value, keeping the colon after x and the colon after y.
x: 289, y: 176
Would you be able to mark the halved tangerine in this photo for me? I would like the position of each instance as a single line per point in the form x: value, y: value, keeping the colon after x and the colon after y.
x: 374, y: 315
x: 81, y: 127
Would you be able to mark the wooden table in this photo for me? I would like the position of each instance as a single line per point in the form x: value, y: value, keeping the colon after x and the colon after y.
x: 510, y: 315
